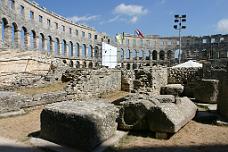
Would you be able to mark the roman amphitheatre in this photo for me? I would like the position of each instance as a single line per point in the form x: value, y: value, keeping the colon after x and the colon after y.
x: 61, y: 91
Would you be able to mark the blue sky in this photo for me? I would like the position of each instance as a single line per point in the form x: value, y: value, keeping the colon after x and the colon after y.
x: 156, y: 17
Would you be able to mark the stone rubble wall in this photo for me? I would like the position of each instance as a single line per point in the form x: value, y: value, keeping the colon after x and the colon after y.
x: 87, y: 83
x: 183, y: 75
x: 145, y: 80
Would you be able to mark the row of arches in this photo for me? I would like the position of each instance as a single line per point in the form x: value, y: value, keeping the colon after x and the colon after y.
x: 146, y: 55
x: 15, y: 37
x: 83, y: 64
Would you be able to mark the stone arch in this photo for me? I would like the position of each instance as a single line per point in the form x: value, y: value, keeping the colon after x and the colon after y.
x: 147, y: 55
x: 15, y: 35
x: 5, y: 32
x: 64, y: 48
x: 77, y: 50
x: 128, y: 66
x: 84, y: 65
x: 71, y: 63
x: 96, y: 52
x: 77, y: 64
x: 24, y: 37
x: 90, y: 49
x: 134, y: 54
x: 71, y: 49
x: 127, y: 54
x: 162, y: 55
x: 122, y: 54
x: 41, y: 42
x: 134, y: 65
x: 155, y: 55
x: 169, y: 54
x: 57, y: 46
x: 33, y: 39
x: 140, y: 54
x: 83, y: 53
x: 90, y: 65
x: 50, y: 45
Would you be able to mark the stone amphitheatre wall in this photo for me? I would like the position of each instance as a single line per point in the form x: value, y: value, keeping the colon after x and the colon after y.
x: 28, y: 26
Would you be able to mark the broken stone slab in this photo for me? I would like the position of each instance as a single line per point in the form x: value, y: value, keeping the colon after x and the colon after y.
x: 132, y: 114
x: 83, y: 125
x: 171, y: 117
x: 165, y: 98
x: 172, y: 89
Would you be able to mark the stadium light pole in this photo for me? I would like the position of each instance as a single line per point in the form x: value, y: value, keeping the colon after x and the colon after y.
x: 179, y: 19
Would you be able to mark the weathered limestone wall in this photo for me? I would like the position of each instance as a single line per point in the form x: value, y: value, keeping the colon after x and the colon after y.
x: 184, y: 75
x: 87, y: 83
x: 145, y: 80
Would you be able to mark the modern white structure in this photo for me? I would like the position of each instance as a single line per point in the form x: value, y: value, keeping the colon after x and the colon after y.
x: 109, y: 55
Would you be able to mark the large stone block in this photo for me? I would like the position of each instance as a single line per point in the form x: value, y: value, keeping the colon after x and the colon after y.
x: 206, y: 90
x: 82, y: 125
x: 172, y: 89
x: 171, y: 117
x: 132, y: 114
x: 165, y: 98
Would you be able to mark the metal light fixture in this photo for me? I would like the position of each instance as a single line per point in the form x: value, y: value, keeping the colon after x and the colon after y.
x: 179, y: 19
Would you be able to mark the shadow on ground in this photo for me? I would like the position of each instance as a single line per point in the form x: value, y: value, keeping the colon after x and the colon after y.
x: 200, y: 148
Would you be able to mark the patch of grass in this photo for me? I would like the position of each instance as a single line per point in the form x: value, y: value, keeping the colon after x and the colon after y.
x: 58, y: 86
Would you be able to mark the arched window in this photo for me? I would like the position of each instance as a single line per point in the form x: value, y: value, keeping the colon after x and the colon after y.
x: 90, y: 48
x: 15, y: 35
x: 32, y: 39
x: 122, y: 54
x: 41, y: 42
x: 134, y: 54
x: 57, y: 46
x: 140, y: 54
x: 155, y: 55
x: 96, y: 52
x: 71, y: 49
x: 49, y: 44
x: 147, y: 55
x: 64, y: 48
x: 24, y: 39
x: 162, y: 55
x: 83, y: 51
x: 169, y: 55
x: 77, y: 50
x: 4, y: 30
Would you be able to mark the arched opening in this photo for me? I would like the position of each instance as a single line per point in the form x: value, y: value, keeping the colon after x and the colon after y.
x: 90, y: 65
x: 169, y: 55
x: 57, y: 46
x: 5, y: 33
x: 122, y: 54
x: 140, y: 54
x: 147, y: 55
x: 134, y: 66
x: 71, y: 63
x: 83, y: 55
x: 155, y: 55
x: 64, y: 48
x: 41, y: 42
x: 15, y: 35
x: 96, y: 52
x: 32, y: 39
x: 128, y: 66
x: 134, y: 54
x: 71, y: 49
x: 49, y: 45
x: 84, y: 64
x: 90, y: 48
x: 127, y: 54
x: 162, y: 55
x: 77, y: 50
x: 77, y: 64
x: 24, y: 39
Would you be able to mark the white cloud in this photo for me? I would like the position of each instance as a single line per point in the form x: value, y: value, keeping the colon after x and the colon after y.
x: 132, y: 11
x: 134, y: 19
x: 222, y: 25
x: 83, y: 18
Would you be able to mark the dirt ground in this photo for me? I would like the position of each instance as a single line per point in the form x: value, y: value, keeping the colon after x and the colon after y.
x: 194, y: 137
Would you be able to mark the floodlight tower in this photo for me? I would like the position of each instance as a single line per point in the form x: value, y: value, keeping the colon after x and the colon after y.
x: 179, y: 19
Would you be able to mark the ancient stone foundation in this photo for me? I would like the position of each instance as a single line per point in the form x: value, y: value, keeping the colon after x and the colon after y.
x: 83, y: 125
x: 156, y: 114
